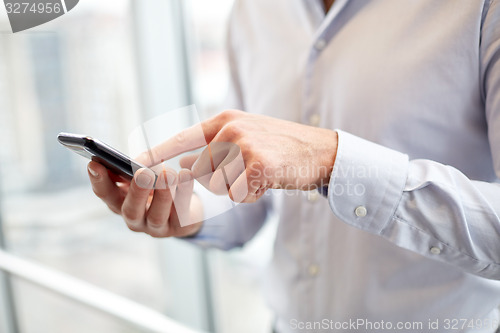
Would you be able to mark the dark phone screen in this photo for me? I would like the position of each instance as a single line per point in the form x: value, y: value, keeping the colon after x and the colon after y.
x: 102, y: 153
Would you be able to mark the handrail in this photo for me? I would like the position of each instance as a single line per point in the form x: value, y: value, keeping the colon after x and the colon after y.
x: 90, y: 295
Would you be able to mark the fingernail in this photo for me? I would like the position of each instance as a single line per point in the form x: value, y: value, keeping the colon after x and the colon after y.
x: 144, y: 178
x: 93, y: 172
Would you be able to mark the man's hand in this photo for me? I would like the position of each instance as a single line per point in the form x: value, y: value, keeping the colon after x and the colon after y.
x: 157, y: 212
x: 275, y: 153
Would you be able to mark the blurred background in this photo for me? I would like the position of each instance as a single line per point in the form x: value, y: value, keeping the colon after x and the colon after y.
x: 102, y: 70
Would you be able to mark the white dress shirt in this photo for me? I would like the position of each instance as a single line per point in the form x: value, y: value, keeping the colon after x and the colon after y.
x: 410, y: 231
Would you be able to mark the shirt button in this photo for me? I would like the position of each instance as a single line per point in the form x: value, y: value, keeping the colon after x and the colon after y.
x: 314, y: 119
x: 360, y: 211
x: 313, y: 195
x: 313, y: 270
x: 435, y: 250
x: 320, y: 44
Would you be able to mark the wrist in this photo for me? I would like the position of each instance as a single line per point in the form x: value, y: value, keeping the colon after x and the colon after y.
x: 327, y: 156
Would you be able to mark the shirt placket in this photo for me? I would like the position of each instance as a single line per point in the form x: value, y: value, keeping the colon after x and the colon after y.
x: 311, y: 115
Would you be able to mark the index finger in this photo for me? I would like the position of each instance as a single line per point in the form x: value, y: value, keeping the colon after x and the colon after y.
x: 192, y: 138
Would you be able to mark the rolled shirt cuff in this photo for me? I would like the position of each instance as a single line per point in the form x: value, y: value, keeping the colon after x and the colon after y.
x: 367, y: 182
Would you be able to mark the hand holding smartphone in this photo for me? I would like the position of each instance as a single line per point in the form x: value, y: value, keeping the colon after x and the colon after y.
x: 165, y: 212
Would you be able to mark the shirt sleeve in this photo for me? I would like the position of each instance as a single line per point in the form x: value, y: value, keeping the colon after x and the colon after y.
x: 421, y: 205
x: 228, y: 225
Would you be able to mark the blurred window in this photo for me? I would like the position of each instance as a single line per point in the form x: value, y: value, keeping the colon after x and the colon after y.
x: 102, y: 70
x: 75, y: 74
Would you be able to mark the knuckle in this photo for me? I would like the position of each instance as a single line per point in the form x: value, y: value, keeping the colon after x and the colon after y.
x: 134, y: 227
x: 157, y: 233
x: 155, y: 222
x: 234, y: 130
x: 180, y: 138
x: 129, y: 213
x: 228, y: 115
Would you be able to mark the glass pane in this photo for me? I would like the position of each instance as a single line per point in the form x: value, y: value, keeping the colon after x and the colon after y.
x: 40, y: 310
x: 74, y: 74
x: 210, y: 69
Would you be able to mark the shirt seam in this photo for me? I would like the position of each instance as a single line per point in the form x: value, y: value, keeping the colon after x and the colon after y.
x: 450, y: 247
x: 487, y: 5
x: 338, y: 160
x: 400, y: 199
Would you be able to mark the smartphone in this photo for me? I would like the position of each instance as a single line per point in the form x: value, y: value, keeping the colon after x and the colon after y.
x: 95, y: 150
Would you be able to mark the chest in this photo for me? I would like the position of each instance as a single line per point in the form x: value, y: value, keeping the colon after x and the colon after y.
x: 390, y: 71
x: 381, y: 53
